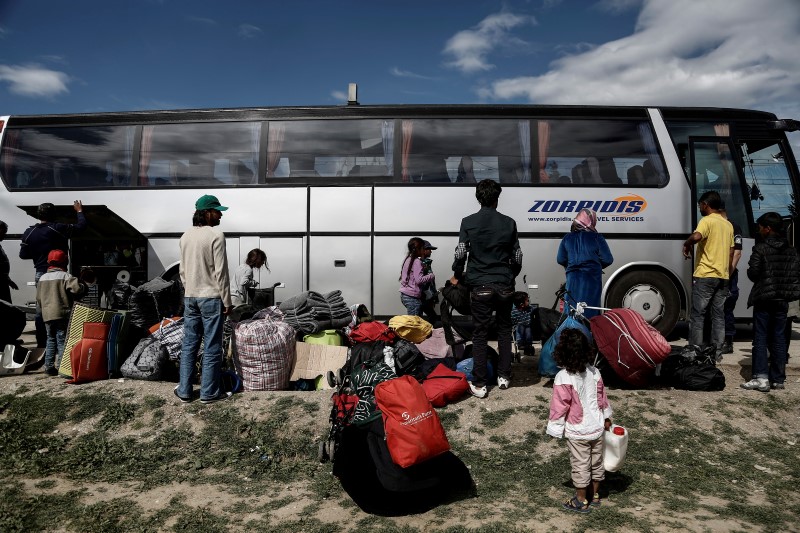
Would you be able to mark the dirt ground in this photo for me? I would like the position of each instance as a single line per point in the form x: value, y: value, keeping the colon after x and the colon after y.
x: 526, y: 401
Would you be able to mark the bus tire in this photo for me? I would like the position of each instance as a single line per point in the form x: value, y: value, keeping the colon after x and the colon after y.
x: 652, y: 294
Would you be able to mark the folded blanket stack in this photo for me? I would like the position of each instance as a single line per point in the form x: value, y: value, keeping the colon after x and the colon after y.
x: 311, y: 312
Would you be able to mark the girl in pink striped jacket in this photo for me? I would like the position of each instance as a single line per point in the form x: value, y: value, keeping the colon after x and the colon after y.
x: 579, y: 411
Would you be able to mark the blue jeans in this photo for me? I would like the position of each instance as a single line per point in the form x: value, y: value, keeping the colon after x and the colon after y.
x: 708, y: 292
x: 56, y: 338
x: 202, y: 320
x: 413, y: 305
x: 487, y: 299
x: 523, y: 335
x: 769, y: 321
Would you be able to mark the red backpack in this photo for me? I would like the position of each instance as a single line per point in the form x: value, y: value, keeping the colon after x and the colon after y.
x: 414, y: 432
x: 371, y: 332
x: 88, y: 356
x: 443, y: 386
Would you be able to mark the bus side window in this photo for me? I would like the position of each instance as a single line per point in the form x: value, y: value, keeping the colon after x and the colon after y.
x: 635, y: 175
x: 608, y: 172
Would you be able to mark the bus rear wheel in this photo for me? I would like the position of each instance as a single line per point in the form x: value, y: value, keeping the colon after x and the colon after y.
x: 652, y: 294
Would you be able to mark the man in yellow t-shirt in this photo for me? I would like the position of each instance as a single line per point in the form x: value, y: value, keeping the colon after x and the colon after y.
x: 714, y: 238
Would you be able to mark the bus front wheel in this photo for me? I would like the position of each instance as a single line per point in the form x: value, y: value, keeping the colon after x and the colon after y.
x: 650, y: 293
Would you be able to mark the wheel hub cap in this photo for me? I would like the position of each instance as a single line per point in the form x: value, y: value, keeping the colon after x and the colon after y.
x: 645, y: 300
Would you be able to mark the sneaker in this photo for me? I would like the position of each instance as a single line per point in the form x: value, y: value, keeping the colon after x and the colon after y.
x: 778, y: 386
x: 221, y: 398
x: 503, y: 383
x: 184, y: 400
x: 51, y: 371
x: 759, y: 384
x: 478, y: 392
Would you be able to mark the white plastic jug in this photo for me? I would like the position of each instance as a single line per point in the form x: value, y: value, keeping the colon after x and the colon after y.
x: 616, y: 444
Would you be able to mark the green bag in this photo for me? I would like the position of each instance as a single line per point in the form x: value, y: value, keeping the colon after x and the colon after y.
x: 329, y: 337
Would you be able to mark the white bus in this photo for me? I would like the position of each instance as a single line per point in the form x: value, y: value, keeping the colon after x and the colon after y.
x: 332, y: 194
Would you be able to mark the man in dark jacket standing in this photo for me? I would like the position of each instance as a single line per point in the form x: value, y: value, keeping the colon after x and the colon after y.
x: 774, y: 269
x: 495, y: 259
x: 42, y: 238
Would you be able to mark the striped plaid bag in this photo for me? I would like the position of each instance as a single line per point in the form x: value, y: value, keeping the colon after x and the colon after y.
x: 264, y: 351
x: 80, y: 314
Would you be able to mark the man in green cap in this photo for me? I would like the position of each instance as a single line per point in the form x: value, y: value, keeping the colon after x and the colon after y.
x: 207, y: 299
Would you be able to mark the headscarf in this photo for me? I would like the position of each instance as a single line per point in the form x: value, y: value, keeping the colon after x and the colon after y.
x: 585, y: 220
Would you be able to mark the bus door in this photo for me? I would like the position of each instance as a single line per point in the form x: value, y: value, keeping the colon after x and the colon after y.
x: 340, y: 243
x: 714, y: 167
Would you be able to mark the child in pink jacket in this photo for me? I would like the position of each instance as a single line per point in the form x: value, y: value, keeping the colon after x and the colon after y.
x: 579, y: 411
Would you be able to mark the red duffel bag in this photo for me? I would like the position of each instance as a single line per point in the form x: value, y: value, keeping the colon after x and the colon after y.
x: 631, y: 346
x: 371, y: 332
x: 88, y: 356
x: 443, y: 386
x: 414, y: 432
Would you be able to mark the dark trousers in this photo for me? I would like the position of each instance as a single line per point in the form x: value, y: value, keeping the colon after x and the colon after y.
x: 769, y: 341
x: 730, y: 304
x: 488, y: 299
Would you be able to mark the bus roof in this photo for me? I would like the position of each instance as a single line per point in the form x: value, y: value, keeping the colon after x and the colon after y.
x: 395, y: 110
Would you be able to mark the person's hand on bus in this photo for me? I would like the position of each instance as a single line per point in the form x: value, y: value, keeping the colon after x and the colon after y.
x: 77, y: 205
x: 687, y: 251
x: 453, y: 281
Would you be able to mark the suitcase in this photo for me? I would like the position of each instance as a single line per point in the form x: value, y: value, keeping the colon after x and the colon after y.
x: 631, y: 346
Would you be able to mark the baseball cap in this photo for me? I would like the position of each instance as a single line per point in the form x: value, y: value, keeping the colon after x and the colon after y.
x: 427, y: 246
x: 208, y: 201
x: 57, y: 257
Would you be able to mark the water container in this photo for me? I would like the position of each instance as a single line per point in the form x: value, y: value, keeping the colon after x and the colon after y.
x: 616, y: 444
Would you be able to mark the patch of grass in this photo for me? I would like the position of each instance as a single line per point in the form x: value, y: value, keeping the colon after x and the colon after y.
x: 151, y: 402
x: 495, y: 419
x: 202, y: 519
x: 449, y: 419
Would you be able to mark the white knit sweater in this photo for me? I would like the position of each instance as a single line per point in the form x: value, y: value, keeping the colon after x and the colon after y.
x: 204, y: 264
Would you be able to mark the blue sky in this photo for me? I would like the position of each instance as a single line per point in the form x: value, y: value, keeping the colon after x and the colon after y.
x: 59, y: 56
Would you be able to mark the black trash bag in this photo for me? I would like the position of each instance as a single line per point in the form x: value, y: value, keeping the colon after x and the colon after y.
x: 120, y: 295
x: 12, y: 323
x: 154, y: 300
x: 692, y: 368
x: 365, y: 469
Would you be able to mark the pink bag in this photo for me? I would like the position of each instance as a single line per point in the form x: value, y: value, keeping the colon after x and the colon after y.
x: 435, y: 346
x: 631, y: 346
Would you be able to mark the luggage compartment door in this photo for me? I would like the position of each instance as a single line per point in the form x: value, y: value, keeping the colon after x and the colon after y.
x: 341, y: 263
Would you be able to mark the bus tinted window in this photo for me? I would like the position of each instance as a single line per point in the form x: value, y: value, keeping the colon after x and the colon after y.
x: 767, y: 177
x: 332, y: 149
x: 465, y: 151
x: 598, y: 153
x: 199, y: 154
x: 68, y: 157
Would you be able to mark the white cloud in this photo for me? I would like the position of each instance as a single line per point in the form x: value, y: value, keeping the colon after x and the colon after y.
x: 618, y: 6
x: 471, y: 48
x: 202, y: 20
x: 248, y: 31
x: 394, y: 71
x: 725, y: 53
x: 34, y: 81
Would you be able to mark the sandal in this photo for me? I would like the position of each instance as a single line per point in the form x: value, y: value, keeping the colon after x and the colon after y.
x: 576, y: 506
x: 595, y: 500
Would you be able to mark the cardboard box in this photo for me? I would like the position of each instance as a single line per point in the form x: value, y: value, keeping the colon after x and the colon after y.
x: 314, y: 360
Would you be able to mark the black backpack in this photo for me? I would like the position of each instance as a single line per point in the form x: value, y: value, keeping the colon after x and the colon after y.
x: 407, y: 357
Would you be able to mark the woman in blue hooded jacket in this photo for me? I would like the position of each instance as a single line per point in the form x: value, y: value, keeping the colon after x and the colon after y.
x: 584, y: 254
